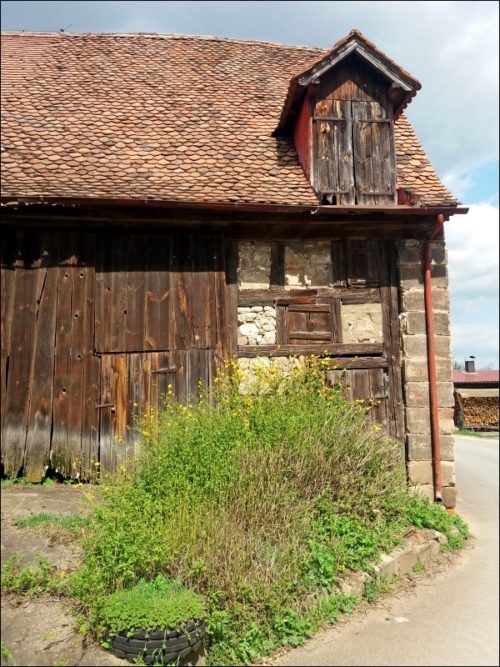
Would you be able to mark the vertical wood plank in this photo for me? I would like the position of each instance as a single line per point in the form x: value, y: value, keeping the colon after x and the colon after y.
x: 61, y: 434
x: 277, y: 277
x: 8, y: 253
x: 135, y: 294
x: 105, y: 423
x: 39, y: 419
x: 25, y: 308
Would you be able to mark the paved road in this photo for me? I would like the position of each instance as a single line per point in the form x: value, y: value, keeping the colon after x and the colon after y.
x: 451, y: 618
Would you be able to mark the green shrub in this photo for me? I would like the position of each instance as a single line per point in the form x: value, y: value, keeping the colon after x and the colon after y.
x: 255, y: 497
x: 148, y: 605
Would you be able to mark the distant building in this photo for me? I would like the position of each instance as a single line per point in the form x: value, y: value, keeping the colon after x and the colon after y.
x: 476, y: 398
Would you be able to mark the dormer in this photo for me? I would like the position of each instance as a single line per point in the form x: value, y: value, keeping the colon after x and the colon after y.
x: 341, y: 112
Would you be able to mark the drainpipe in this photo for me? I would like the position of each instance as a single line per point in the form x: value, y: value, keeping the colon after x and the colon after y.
x: 431, y: 360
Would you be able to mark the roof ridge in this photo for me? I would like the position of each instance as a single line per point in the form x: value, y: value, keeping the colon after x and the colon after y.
x: 161, y: 35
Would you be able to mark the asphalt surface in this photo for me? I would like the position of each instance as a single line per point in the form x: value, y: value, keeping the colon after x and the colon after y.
x: 450, y: 618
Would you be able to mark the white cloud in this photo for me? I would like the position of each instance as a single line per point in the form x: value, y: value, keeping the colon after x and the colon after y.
x: 473, y: 256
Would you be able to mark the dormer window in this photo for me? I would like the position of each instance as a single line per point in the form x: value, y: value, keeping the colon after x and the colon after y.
x: 341, y: 112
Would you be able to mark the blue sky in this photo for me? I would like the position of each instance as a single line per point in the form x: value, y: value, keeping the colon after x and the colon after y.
x: 451, y: 47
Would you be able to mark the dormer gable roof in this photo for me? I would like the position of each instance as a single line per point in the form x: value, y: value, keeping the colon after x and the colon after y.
x: 404, y: 85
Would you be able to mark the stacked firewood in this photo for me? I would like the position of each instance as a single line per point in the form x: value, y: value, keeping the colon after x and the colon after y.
x: 480, y: 411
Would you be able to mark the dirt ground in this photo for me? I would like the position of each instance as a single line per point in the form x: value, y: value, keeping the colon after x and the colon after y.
x: 43, y: 631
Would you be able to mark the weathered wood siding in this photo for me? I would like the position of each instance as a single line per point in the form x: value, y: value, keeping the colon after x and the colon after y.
x: 354, y: 158
x: 97, y: 325
x: 93, y: 324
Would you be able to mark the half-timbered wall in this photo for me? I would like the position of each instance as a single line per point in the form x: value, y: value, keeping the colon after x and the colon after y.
x: 337, y: 298
x: 96, y: 326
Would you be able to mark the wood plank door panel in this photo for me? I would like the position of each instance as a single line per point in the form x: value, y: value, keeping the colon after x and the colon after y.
x: 133, y: 383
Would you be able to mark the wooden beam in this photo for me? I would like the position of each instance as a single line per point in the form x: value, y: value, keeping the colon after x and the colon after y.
x: 335, y: 349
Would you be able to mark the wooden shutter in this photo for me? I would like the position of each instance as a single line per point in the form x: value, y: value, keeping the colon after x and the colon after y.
x: 374, y: 154
x: 333, y: 164
x: 309, y: 323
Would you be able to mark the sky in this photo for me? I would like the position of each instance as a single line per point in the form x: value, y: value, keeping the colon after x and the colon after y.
x: 451, y: 47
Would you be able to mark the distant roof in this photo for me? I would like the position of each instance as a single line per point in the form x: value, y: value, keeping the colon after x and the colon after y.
x: 461, y: 377
x: 163, y: 117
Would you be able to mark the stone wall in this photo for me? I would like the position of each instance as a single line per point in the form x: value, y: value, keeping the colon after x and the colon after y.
x: 415, y: 368
x: 254, y: 265
x: 308, y: 264
x: 256, y: 325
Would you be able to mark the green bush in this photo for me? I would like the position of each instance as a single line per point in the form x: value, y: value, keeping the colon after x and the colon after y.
x: 255, y: 497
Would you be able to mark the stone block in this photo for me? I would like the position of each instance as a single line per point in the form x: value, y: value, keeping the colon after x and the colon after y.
x: 449, y: 494
x: 420, y: 472
x: 308, y: 264
x: 414, y: 254
x: 446, y: 423
x: 423, y: 490
x: 354, y: 584
x: 412, y: 275
x: 416, y: 370
x: 416, y: 346
x: 448, y: 473
x: 386, y: 567
x: 423, y: 552
x: 419, y: 447
x: 418, y: 420
x: 417, y: 394
x: 413, y: 299
x: 254, y: 264
x: 414, y: 323
x: 405, y: 560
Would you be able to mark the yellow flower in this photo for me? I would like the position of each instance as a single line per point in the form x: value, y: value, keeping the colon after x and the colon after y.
x: 106, y: 489
x: 62, y: 574
x: 376, y: 427
x: 97, y: 464
x: 77, y: 486
x: 146, y: 434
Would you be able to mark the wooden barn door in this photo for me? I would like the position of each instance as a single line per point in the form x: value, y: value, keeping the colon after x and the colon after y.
x: 158, y: 326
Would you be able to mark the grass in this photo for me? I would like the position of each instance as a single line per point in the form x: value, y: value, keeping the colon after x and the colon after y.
x: 259, y: 498
x: 49, y: 522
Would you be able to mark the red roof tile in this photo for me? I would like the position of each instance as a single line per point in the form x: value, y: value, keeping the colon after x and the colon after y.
x: 461, y: 377
x: 163, y: 117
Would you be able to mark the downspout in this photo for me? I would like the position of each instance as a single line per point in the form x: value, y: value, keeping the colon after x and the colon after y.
x: 431, y: 360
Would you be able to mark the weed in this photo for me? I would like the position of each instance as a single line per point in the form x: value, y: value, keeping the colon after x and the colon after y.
x: 30, y: 579
x: 420, y: 512
x: 60, y: 663
x: 6, y: 653
x: 419, y: 567
x: 377, y: 585
x: 49, y: 522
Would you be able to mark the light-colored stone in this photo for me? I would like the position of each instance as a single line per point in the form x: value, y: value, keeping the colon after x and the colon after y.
x: 417, y: 394
x: 419, y: 447
x: 416, y: 346
x: 362, y: 323
x: 249, y: 330
x: 420, y: 472
x: 423, y: 490
x: 414, y: 323
x: 449, y: 494
x: 416, y: 370
x: 354, y: 584
x: 448, y: 473
x: 405, y: 560
x: 418, y: 420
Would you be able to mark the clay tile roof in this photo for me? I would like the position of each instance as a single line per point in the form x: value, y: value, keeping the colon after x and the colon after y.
x: 461, y: 377
x: 165, y: 117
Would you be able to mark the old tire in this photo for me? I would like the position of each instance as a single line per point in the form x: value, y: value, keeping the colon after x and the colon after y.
x: 160, y: 645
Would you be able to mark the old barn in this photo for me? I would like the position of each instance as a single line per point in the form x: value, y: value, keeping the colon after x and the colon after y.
x: 172, y: 201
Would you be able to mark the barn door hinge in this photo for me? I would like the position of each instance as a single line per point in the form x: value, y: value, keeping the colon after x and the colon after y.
x: 171, y: 369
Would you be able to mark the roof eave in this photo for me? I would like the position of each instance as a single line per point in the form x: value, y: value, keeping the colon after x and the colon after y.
x: 323, y: 210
